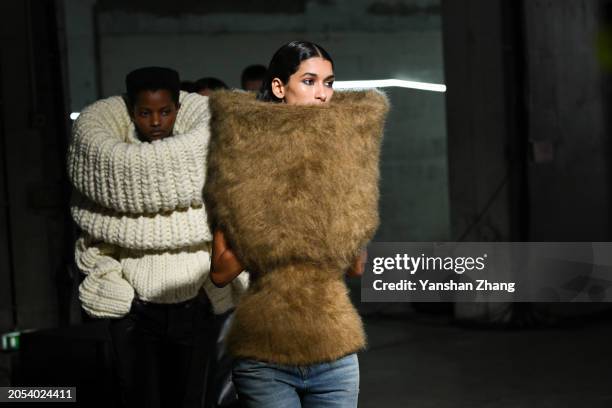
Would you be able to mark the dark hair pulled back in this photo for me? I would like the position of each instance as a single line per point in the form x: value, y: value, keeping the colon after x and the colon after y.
x: 285, y: 62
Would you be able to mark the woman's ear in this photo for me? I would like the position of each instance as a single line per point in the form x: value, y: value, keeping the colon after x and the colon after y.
x: 278, y: 89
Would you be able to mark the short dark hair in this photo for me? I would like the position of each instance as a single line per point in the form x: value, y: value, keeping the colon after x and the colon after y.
x: 209, y: 83
x: 286, y: 61
x: 253, y: 73
x: 152, y: 79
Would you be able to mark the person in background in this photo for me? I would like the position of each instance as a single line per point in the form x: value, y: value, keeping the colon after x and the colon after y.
x: 252, y: 77
x: 188, y: 86
x: 204, y: 86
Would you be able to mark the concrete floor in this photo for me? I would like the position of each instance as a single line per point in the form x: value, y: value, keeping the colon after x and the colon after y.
x: 436, y: 364
x: 419, y: 361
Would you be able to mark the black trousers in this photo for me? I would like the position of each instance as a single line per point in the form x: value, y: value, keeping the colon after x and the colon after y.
x: 163, y: 353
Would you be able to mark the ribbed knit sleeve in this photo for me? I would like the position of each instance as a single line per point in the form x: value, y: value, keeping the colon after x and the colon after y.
x: 113, y: 170
x: 104, y: 292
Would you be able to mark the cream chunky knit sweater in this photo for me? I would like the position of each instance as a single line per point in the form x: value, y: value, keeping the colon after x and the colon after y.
x: 140, y: 208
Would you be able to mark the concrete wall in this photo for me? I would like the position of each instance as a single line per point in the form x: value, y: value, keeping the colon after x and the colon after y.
x: 35, y: 232
x: 79, y: 19
x: 527, y: 103
x: 569, y: 188
x: 529, y: 152
x: 480, y: 58
x: 6, y: 262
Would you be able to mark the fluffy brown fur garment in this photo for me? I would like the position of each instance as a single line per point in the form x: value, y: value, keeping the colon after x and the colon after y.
x: 295, y: 188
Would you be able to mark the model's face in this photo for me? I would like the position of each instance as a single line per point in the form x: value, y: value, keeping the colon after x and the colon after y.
x: 154, y: 114
x: 311, y: 84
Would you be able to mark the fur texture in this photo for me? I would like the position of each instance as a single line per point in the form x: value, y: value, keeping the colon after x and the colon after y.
x: 295, y: 188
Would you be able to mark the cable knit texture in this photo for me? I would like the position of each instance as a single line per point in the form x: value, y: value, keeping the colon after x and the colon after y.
x: 104, y: 292
x: 109, y: 166
x: 295, y: 188
x: 162, y: 231
x: 145, y: 230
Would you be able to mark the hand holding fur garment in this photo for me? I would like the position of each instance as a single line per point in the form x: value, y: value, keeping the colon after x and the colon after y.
x: 295, y: 189
x: 140, y: 208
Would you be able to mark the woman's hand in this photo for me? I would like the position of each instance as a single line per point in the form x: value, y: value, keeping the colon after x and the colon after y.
x: 358, y: 265
x: 225, y: 265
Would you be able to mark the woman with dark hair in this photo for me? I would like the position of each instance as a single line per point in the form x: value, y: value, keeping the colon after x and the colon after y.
x: 286, y: 62
x: 292, y: 196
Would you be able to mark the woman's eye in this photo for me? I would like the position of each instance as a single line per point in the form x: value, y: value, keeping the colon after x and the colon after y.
x: 165, y: 113
x: 329, y: 84
x: 144, y: 113
x: 308, y: 81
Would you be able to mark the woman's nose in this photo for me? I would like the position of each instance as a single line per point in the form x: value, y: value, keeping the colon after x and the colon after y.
x: 320, y: 93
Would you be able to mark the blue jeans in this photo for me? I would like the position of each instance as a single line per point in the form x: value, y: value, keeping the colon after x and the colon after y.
x: 267, y: 385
